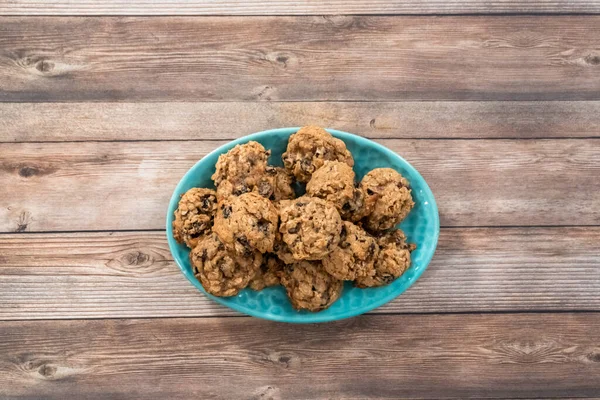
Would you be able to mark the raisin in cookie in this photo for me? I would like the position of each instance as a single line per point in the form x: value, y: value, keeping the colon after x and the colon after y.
x: 309, y: 287
x: 388, y: 198
x: 194, y: 215
x: 268, y: 273
x: 246, y: 223
x: 310, y: 227
x: 334, y: 182
x: 392, y: 261
x: 222, y: 272
x: 241, y: 170
x: 355, y: 255
x: 308, y: 148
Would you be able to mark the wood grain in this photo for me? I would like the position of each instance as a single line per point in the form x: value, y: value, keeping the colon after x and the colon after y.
x: 25, y: 122
x: 381, y: 357
x: 291, y: 7
x: 132, y: 274
x: 299, y: 58
x: 116, y: 186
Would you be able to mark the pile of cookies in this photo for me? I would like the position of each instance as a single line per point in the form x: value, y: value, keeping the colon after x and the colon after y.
x: 253, y: 231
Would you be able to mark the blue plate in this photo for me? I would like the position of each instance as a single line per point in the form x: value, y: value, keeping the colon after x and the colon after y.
x: 422, y: 226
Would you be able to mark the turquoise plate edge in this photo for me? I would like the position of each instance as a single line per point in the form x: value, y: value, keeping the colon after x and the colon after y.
x: 424, y: 232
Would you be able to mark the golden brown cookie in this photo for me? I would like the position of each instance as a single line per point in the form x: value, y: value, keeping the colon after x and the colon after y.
x: 392, y: 261
x: 310, y: 227
x: 247, y: 223
x: 268, y: 273
x: 334, y: 182
x: 282, y: 250
x: 222, y: 272
x: 278, y: 184
x: 387, y: 197
x: 308, y: 148
x: 355, y: 255
x: 194, y: 215
x: 309, y: 287
x: 242, y: 170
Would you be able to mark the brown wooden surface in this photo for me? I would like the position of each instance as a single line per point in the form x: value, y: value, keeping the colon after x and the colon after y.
x: 291, y: 7
x: 445, y: 356
x: 101, y: 116
x: 41, y: 122
x: 132, y: 274
x: 109, y: 185
x: 300, y: 58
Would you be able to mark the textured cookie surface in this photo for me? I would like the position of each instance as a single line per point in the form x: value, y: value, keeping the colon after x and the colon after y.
x: 268, y: 274
x: 242, y: 170
x: 279, y: 184
x: 310, y: 227
x: 222, y: 272
x: 194, y: 215
x: 354, y: 257
x: 309, y: 287
x: 309, y: 148
x: 392, y: 260
x: 334, y: 182
x: 246, y: 223
x: 387, y: 197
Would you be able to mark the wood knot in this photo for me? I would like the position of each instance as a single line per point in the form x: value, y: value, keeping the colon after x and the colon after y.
x: 265, y: 93
x: 592, y: 59
x: 267, y: 393
x: 44, y: 66
x: 28, y: 172
x: 23, y: 221
x: 372, y: 123
x: 47, y: 371
x: 136, y: 258
x: 27, y: 61
x: 282, y: 60
x: 593, y: 357
x: 136, y: 262
x: 284, y: 359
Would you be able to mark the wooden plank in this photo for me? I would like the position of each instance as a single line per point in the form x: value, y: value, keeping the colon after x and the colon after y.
x: 380, y: 357
x: 116, y: 186
x: 132, y: 274
x: 299, y: 58
x: 291, y: 7
x: 24, y: 122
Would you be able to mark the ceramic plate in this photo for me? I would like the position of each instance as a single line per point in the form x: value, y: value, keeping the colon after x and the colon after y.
x: 422, y: 226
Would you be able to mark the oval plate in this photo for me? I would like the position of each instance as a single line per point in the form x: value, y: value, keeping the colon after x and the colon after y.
x: 422, y: 226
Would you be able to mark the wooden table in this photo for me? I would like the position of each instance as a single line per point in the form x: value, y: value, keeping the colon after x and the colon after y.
x: 105, y: 104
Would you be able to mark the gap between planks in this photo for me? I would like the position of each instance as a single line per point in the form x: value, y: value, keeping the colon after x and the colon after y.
x: 378, y: 313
